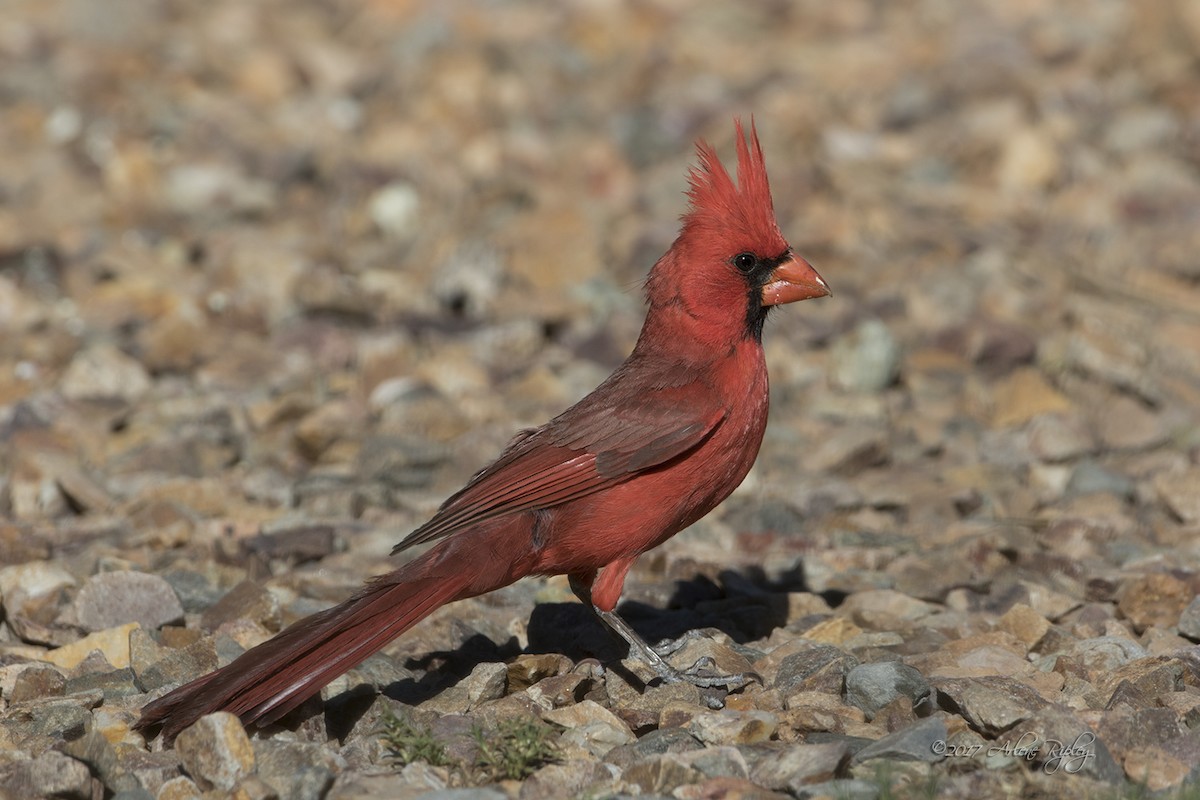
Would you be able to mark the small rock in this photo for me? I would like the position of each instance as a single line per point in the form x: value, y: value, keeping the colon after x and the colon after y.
x: 1154, y: 600
x: 1024, y: 395
x: 115, y: 598
x: 849, y: 450
x: 113, y: 643
x: 35, y: 682
x: 102, y: 372
x: 1059, y: 741
x: 1060, y: 437
x: 1024, y: 623
x: 1177, y: 490
x: 216, y: 751
x: 656, y: 742
x: 193, y: 189
x: 569, y: 779
x: 56, y: 775
x: 299, y: 770
x: 883, y: 609
x: 170, y: 666
x: 990, y: 704
x: 660, y: 775
x: 24, y: 587
x: 819, y: 711
x: 590, y: 726
x: 1156, y: 769
x: 873, y: 686
x: 1126, y: 424
x: 179, y: 788
x: 800, y: 764
x: 917, y: 742
x: 247, y: 601
x: 528, y: 669
x: 1104, y: 654
x: 734, y: 727
x: 818, y: 667
x: 486, y: 682
x: 1189, y: 620
x: 867, y: 360
x: 1091, y: 478
x: 395, y: 210
x: 1029, y: 161
x: 842, y: 789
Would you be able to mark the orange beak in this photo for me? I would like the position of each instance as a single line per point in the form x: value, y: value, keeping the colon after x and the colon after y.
x: 794, y: 279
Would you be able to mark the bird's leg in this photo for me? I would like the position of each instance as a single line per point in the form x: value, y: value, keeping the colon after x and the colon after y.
x: 639, y: 647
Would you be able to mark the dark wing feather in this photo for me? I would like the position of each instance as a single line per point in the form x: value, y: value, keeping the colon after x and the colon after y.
x: 597, y: 443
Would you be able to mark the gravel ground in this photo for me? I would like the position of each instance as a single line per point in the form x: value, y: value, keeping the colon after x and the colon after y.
x: 277, y: 277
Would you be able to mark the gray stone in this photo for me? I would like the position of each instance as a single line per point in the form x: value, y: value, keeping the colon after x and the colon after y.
x: 819, y: 667
x: 1089, y: 477
x: 1050, y: 733
x: 867, y: 360
x: 843, y: 789
x: 299, y: 770
x: 115, y: 598
x: 656, y: 742
x: 1189, y: 620
x: 917, y: 742
x: 991, y: 704
x: 727, y: 727
x: 873, y: 686
x: 216, y: 751
x: 246, y: 601
x: 53, y: 774
x: 795, y: 766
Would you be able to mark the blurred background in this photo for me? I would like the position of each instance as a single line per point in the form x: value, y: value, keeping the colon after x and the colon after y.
x: 299, y: 268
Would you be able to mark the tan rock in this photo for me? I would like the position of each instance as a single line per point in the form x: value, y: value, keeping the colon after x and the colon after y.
x: 113, y: 643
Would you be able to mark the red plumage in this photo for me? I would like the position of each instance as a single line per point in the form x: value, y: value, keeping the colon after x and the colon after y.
x: 652, y: 449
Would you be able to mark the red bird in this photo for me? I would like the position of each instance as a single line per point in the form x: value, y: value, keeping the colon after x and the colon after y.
x: 669, y: 435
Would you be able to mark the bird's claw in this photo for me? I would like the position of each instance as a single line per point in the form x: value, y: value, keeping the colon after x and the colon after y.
x: 669, y: 647
x: 694, y: 675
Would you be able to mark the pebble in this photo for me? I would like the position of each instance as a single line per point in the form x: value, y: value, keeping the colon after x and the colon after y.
x: 867, y: 360
x: 216, y: 752
x: 734, y: 727
x: 992, y: 704
x: 115, y: 598
x: 917, y: 742
x: 873, y: 686
x: 799, y: 765
x: 395, y: 210
x: 1178, y: 491
x: 111, y: 643
x: 102, y: 372
x: 1157, y: 599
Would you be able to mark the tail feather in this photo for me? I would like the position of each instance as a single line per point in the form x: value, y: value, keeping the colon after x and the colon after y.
x: 268, y: 681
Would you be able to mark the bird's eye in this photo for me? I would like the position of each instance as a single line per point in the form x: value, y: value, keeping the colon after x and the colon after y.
x: 745, y: 261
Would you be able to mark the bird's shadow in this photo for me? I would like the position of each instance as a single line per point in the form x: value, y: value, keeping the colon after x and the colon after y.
x: 744, y: 604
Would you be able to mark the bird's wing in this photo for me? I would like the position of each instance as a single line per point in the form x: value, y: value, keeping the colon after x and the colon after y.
x: 590, y: 447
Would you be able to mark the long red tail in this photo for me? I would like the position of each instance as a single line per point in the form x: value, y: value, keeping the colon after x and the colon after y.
x: 269, y: 680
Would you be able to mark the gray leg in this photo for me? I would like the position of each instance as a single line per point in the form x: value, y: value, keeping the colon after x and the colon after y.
x: 651, y: 655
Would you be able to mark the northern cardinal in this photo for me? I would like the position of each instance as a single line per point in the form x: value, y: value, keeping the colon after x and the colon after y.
x: 669, y: 435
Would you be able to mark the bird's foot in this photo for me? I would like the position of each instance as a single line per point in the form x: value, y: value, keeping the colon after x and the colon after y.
x: 668, y: 647
x: 703, y: 675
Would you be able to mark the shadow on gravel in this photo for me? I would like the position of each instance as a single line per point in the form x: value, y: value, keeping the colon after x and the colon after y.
x: 745, y: 604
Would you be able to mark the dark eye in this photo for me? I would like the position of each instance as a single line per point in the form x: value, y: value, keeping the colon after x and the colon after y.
x: 745, y: 261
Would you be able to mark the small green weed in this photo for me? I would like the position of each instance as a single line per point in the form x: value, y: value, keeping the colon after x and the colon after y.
x: 514, y: 750
x: 409, y: 743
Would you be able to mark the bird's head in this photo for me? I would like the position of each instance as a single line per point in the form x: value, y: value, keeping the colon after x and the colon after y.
x: 730, y: 264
